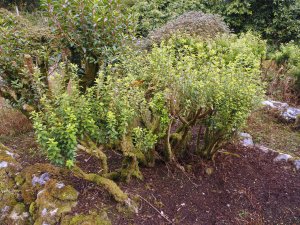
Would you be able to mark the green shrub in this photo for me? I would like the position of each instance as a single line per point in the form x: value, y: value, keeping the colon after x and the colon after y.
x: 193, y: 23
x: 288, y: 56
x: 153, y: 99
x: 28, y: 5
x: 93, y: 30
x: 65, y: 117
x: 23, y: 46
x: 212, y: 85
x: 155, y: 13
x: 276, y: 20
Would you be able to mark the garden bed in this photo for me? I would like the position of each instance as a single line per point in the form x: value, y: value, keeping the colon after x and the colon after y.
x: 240, y: 186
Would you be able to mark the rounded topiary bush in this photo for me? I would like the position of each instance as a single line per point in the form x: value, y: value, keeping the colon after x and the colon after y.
x: 193, y: 23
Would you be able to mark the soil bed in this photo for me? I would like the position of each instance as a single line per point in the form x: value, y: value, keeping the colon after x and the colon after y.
x: 241, y: 186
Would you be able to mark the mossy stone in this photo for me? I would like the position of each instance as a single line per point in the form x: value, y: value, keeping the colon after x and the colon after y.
x: 66, y: 193
x: 19, y: 179
x: 53, y: 201
x: 19, y: 215
x: 91, y: 219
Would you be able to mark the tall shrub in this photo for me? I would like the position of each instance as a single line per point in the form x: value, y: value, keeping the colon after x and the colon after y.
x: 93, y: 30
x: 154, y: 99
x: 276, y: 20
x: 211, y: 85
x: 23, y: 46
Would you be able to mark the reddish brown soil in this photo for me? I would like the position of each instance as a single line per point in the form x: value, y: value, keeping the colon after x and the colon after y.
x: 245, y: 187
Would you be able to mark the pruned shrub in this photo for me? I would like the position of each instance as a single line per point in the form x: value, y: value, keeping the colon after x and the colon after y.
x: 193, y: 23
x: 153, y: 14
x: 147, y: 105
x: 211, y: 85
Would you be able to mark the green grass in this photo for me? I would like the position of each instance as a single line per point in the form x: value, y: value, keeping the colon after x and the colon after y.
x: 267, y: 130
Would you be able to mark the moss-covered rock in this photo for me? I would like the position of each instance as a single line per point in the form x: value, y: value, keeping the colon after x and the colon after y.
x: 91, y: 219
x: 63, y: 192
x: 7, y: 160
x: 35, y: 178
x: 53, y: 201
x: 19, y: 215
x: 12, y: 210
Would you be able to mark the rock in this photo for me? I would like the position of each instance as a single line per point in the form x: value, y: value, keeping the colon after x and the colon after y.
x: 35, y: 178
x: 3, y: 164
x: 283, y: 157
x: 287, y: 113
x: 291, y: 113
x: 297, y: 164
x: 264, y: 148
x: 41, y: 180
x: 64, y: 193
x: 52, y: 202
x: 209, y: 171
x: 18, y: 215
x: 12, y: 211
x: 247, y: 140
x: 275, y: 104
x: 91, y: 219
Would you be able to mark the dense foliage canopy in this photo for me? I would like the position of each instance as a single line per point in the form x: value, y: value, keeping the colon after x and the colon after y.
x: 276, y: 20
x: 211, y: 85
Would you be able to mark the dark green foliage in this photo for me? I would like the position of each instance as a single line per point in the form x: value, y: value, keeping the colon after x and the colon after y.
x: 28, y: 5
x: 93, y: 30
x: 276, y: 20
x: 155, y: 13
x: 198, y: 24
x: 23, y: 46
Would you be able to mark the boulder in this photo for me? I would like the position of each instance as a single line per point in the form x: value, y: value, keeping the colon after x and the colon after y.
x: 283, y: 110
x: 52, y: 202
x: 246, y: 139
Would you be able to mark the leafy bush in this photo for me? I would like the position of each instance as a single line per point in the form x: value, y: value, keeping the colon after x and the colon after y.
x: 289, y: 54
x: 107, y: 115
x: 210, y: 85
x: 155, y: 99
x: 288, y: 58
x: 192, y: 23
x: 155, y: 13
x: 93, y: 30
x: 276, y: 20
x: 29, y: 5
x: 65, y: 116
x: 23, y: 46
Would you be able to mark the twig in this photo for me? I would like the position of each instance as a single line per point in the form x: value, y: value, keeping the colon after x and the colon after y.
x: 181, y: 168
x: 160, y: 212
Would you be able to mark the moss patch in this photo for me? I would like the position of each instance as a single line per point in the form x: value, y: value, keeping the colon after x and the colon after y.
x: 91, y: 219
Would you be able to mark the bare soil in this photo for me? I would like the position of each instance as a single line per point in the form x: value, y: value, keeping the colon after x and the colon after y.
x: 240, y: 186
